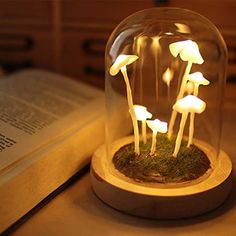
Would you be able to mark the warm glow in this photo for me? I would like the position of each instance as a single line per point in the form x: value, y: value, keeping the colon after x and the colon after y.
x: 197, y: 78
x: 168, y: 76
x: 157, y: 126
x: 168, y: 33
x: 182, y: 28
x: 155, y: 42
x: 142, y: 113
x: 188, y: 51
x: 122, y: 60
x: 190, y: 103
x: 140, y: 43
x: 140, y: 40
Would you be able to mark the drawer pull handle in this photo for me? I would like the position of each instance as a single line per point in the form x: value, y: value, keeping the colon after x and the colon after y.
x: 11, y: 66
x: 232, y: 55
x: 94, y: 46
x: 161, y: 1
x: 90, y: 70
x: 15, y: 42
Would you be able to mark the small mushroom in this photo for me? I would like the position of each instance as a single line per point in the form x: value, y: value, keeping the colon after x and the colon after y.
x: 185, y: 105
x: 142, y: 115
x: 188, y: 51
x: 197, y: 79
x: 120, y: 65
x: 122, y: 61
x: 156, y: 126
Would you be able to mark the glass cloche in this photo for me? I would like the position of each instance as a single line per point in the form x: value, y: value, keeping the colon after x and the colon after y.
x: 165, y: 75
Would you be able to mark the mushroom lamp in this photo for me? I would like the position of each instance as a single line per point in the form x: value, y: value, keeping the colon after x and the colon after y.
x: 197, y: 79
x: 163, y: 64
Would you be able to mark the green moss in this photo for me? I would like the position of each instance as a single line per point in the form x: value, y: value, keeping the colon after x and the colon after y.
x: 161, y: 167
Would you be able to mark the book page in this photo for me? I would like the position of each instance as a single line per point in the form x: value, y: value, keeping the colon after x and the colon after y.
x: 38, y: 107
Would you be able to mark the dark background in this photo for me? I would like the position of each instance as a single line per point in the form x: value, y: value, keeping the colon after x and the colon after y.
x: 69, y: 36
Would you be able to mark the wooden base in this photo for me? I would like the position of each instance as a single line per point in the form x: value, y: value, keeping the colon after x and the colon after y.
x: 161, y: 201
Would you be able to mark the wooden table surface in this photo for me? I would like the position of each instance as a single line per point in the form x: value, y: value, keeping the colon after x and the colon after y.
x: 77, y: 211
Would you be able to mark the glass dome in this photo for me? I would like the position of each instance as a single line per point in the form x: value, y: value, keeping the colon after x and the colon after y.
x: 170, y: 64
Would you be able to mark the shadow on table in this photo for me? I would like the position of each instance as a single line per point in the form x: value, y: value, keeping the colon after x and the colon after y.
x: 100, y: 209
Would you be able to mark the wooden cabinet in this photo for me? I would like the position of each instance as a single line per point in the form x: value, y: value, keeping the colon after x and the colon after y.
x: 27, y: 10
x: 102, y: 10
x: 83, y: 54
x: 221, y: 13
x: 86, y: 28
x: 69, y: 36
x: 25, y: 34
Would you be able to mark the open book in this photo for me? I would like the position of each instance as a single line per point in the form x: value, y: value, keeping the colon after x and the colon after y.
x: 49, y: 127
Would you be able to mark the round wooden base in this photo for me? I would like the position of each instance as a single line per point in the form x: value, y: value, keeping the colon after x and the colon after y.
x: 162, y: 201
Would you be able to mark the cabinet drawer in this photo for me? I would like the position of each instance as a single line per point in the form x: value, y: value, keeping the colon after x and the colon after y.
x: 22, y: 48
x: 25, y: 10
x: 221, y: 13
x: 91, y: 10
x: 83, y: 55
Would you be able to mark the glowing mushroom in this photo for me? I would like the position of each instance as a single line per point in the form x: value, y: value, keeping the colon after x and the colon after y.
x: 142, y: 115
x: 197, y: 79
x: 188, y: 51
x: 185, y: 105
x: 156, y: 126
x: 120, y: 65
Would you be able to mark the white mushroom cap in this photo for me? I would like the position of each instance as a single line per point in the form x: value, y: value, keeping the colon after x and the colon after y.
x: 197, y: 78
x: 188, y: 51
x: 157, y: 126
x: 122, y: 60
x: 190, y: 103
x: 141, y: 113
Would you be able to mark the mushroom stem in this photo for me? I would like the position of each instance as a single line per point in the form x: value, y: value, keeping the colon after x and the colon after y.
x: 192, y: 116
x: 191, y: 129
x: 131, y: 110
x: 180, y: 133
x: 153, y: 147
x: 195, y: 91
x: 171, y: 123
x: 184, y: 80
x: 144, y: 131
x: 180, y: 95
